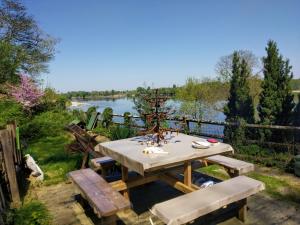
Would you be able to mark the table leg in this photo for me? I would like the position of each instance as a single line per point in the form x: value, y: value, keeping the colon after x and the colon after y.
x: 124, y: 179
x: 188, y: 174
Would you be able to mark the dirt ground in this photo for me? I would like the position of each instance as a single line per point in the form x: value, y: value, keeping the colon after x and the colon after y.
x: 66, y: 210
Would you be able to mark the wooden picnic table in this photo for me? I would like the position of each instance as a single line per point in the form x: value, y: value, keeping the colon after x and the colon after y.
x: 129, y: 153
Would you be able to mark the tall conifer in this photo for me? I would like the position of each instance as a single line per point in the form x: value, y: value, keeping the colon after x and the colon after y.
x: 276, y: 99
x: 240, y: 104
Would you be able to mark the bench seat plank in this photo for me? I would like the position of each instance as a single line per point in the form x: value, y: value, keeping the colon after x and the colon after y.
x: 102, y: 161
x: 99, y: 193
x: 119, y: 201
x: 188, y: 207
x: 230, y: 163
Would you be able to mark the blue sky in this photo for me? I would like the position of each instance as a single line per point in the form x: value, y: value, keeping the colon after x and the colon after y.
x: 123, y: 44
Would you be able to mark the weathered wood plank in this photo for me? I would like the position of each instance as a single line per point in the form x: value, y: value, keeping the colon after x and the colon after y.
x: 115, y: 197
x: 98, y: 192
x: 94, y: 196
x: 232, y: 164
x: 7, y: 148
x: 186, y: 208
x: 12, y: 131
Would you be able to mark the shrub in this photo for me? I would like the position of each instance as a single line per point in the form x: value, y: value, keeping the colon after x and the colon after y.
x: 128, y: 119
x: 46, y: 124
x: 102, y: 131
x: 10, y: 111
x: 121, y: 132
x: 51, y: 100
x: 79, y: 114
x: 32, y: 213
x: 264, y: 156
x: 107, y: 117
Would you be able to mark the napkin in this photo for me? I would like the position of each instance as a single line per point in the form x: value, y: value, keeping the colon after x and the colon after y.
x: 154, y: 150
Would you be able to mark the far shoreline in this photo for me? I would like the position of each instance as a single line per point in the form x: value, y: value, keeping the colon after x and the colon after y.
x: 108, y: 97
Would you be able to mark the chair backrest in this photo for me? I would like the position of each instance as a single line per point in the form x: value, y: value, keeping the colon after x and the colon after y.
x: 92, y: 121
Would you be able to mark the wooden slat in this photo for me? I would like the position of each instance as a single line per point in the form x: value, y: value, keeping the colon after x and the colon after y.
x: 7, y: 148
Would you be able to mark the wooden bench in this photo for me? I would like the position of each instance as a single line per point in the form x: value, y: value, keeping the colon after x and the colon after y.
x: 104, y: 200
x: 188, y: 207
x: 234, y: 167
x: 102, y: 163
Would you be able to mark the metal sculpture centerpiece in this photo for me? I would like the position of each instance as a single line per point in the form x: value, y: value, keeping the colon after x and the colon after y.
x: 158, y: 114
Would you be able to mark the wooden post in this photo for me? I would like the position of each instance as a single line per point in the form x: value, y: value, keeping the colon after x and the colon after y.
x: 188, y: 174
x: 125, y: 178
x: 242, y: 214
x: 85, y: 160
x: 7, y: 148
x: 111, y: 220
x: 187, y: 126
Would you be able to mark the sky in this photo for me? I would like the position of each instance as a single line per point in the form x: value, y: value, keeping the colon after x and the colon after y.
x: 124, y: 44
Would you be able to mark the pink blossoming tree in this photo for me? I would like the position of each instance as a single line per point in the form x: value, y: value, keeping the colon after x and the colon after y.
x: 27, y: 93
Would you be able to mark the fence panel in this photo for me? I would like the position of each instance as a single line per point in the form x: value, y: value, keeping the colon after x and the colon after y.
x: 10, y: 166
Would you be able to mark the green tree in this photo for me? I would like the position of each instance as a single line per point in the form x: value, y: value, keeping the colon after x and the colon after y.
x: 240, y: 107
x: 9, y: 63
x: 20, y: 29
x: 276, y: 99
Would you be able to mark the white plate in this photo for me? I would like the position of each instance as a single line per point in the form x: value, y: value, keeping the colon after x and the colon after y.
x: 200, y: 146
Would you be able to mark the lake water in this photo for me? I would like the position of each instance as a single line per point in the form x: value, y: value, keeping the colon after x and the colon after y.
x: 120, y: 106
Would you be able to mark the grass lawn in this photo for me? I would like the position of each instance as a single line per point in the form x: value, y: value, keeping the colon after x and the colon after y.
x: 51, y: 156
x: 279, y: 187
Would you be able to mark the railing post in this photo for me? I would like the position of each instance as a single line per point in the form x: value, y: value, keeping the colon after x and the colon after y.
x: 187, y: 125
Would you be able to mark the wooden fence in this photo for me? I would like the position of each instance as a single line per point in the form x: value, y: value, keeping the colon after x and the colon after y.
x: 187, y: 124
x: 11, y: 164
